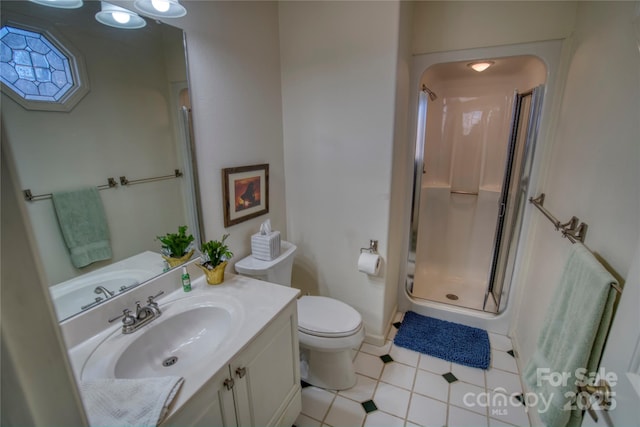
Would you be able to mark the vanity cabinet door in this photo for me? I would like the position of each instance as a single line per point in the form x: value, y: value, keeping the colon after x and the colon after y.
x: 267, y: 375
x: 213, y: 405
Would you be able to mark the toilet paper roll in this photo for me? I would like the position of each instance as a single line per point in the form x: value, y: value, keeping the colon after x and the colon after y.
x: 369, y: 263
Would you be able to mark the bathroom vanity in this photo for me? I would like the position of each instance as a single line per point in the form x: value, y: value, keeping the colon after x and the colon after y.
x: 235, y: 345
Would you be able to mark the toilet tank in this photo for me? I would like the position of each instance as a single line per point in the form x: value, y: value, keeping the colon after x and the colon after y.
x: 275, y: 271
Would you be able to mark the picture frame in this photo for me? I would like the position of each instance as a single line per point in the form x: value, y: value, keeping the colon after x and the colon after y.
x: 245, y: 192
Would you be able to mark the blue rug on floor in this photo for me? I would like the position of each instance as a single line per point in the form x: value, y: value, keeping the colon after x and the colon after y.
x: 445, y: 340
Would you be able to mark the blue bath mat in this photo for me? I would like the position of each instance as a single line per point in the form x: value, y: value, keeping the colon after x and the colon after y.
x: 445, y: 340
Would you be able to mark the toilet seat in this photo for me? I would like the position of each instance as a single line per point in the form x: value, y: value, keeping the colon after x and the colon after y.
x: 327, y: 317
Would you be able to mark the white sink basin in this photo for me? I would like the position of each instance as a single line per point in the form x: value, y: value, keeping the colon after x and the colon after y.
x: 186, y: 336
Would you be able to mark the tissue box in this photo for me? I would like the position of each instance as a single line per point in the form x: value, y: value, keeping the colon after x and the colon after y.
x: 266, y: 246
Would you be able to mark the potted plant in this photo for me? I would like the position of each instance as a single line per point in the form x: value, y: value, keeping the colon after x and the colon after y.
x: 215, y: 254
x: 176, y: 247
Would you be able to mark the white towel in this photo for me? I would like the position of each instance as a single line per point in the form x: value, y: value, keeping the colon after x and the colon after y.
x: 128, y: 402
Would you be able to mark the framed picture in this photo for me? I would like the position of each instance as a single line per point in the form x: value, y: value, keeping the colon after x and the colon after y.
x: 246, y: 193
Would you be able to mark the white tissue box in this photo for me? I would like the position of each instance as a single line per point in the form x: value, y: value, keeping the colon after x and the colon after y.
x: 266, y: 246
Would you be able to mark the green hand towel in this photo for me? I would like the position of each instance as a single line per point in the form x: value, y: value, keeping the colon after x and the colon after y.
x: 83, y: 224
x: 572, y: 336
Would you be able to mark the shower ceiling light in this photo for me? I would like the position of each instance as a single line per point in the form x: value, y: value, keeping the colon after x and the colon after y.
x: 481, y: 65
x: 61, y: 4
x: 119, y: 17
x: 161, y: 8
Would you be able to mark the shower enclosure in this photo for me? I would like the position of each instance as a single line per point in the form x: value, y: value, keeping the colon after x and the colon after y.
x: 474, y: 144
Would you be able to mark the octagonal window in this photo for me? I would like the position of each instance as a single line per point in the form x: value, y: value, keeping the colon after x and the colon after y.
x: 36, y: 71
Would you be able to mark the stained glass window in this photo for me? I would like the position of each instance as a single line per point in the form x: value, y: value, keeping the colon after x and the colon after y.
x: 33, y: 67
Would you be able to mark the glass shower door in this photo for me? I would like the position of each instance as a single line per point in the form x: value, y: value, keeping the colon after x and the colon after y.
x: 524, y: 128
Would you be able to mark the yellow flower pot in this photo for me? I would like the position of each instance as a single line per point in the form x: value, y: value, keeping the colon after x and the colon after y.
x: 174, y: 262
x: 215, y: 276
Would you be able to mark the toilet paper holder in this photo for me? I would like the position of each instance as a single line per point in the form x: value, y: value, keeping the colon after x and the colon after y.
x: 373, y: 247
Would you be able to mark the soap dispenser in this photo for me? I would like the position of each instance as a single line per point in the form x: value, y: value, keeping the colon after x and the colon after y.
x: 186, y: 280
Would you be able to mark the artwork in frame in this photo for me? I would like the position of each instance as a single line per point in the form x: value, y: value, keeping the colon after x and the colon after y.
x: 246, y: 193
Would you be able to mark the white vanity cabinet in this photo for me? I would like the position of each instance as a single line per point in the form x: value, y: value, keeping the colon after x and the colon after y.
x: 259, y: 387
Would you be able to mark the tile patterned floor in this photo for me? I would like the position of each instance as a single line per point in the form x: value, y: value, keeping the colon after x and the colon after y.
x: 400, y: 387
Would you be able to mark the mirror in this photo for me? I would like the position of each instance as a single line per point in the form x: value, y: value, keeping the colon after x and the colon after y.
x: 131, y: 122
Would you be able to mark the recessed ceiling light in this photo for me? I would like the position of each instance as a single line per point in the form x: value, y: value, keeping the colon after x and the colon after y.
x: 61, y: 4
x: 119, y: 17
x: 480, y: 66
x: 161, y: 8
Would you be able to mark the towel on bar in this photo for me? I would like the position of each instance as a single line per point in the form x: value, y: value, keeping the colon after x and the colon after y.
x: 572, y: 336
x: 129, y: 402
x: 83, y: 224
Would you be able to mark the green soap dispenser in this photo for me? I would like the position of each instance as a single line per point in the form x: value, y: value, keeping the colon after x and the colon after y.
x: 186, y: 280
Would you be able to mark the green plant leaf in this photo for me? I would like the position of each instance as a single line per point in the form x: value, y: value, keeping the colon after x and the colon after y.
x: 176, y: 244
x: 215, y: 252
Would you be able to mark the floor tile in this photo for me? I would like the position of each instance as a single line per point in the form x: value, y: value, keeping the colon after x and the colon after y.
x: 468, y: 375
x: 369, y: 365
x: 362, y: 391
x: 304, y: 421
x: 503, y: 361
x: 392, y: 399
x: 382, y: 419
x: 500, y: 342
x: 375, y: 350
x: 459, y: 417
x: 502, y: 380
x: 433, y: 364
x: 427, y: 412
x: 497, y: 423
x: 507, y: 411
x: 345, y: 412
x: 316, y: 402
x: 411, y: 391
x: 399, y: 375
x: 431, y: 385
x: 468, y: 396
x: 403, y: 355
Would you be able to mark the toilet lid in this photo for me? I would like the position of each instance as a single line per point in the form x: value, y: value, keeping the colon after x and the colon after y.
x: 327, y: 317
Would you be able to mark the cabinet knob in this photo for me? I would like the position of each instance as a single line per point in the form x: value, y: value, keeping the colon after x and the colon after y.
x: 241, y: 372
x: 228, y: 383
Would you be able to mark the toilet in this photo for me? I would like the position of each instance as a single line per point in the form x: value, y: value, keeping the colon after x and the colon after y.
x: 327, y: 328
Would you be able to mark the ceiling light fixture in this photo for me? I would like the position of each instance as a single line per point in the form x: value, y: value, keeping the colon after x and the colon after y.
x: 480, y: 66
x: 119, y: 17
x: 161, y: 8
x: 61, y: 4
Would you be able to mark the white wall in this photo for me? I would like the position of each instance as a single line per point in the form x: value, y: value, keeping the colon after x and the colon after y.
x: 593, y: 171
x: 234, y: 75
x: 339, y: 63
x: 450, y: 25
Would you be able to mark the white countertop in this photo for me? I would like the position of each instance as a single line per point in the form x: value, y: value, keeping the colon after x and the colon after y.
x: 260, y: 302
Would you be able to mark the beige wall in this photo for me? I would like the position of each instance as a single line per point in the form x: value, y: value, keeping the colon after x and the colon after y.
x: 339, y: 63
x: 234, y: 73
x: 36, y: 382
x: 399, y: 206
x: 593, y: 171
x: 450, y: 25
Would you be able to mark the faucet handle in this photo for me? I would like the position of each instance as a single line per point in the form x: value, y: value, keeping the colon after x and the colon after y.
x: 151, y: 299
x: 127, y: 318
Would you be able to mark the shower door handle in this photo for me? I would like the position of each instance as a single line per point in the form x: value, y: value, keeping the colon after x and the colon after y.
x: 503, y: 209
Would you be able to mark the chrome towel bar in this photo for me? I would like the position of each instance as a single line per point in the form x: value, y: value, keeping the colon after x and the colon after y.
x: 29, y: 197
x: 111, y: 183
x: 573, y: 230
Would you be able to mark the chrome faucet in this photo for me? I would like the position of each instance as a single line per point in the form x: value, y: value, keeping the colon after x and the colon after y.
x: 102, y: 290
x: 143, y: 315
